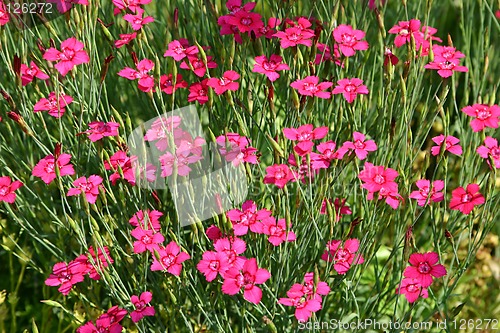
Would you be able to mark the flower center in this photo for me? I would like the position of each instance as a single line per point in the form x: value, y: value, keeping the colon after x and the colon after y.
x: 269, y: 65
x: 279, y: 174
x: 348, y: 39
x: 350, y: 88
x: 294, y: 37
x: 146, y: 239
x: 412, y: 288
x: 466, y: 198
x: 224, y: 81
x: 168, y: 260
x: 495, y: 152
x: 483, y: 114
x: 310, y: 87
x: 246, y: 21
x: 379, y: 179
x: 424, y: 268
x: 404, y: 32
x: 4, y: 190
x: 342, y: 255
x: 214, y: 265
x: 49, y: 167
x: 67, y: 54
x: 358, y: 144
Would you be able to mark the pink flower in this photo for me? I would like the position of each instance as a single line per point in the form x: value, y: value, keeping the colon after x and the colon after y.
x: 4, y: 14
x: 247, y: 278
x: 268, y: 30
x: 197, y: 65
x: 31, y: 72
x: 137, y: 21
x: 391, y: 196
x: 198, y: 92
x: 56, y: 105
x: 7, y: 189
x: 349, y: 40
x: 326, y: 156
x: 246, y: 21
x: 247, y: 218
x: 424, y: 267
x: 278, y: 174
x: 225, y: 83
x: 447, y: 53
x: 90, y: 187
x: 404, y: 30
x: 100, y: 129
x: 236, y: 149
x: 65, y: 5
x: 46, y: 167
x: 170, y: 259
x: 146, y: 219
x: 146, y: 81
x: 310, y: 86
x: 304, y: 135
x: 179, y: 49
x: 269, y: 67
x: 213, y: 232
x: 324, y: 54
x: 426, y: 194
x: 450, y: 144
x: 212, y: 264
x: 147, y: 240
x: 486, y: 116
x: 229, y: 29
x: 277, y: 231
x: 464, y: 200
x: 304, y: 305
x: 447, y: 62
x: 120, y: 161
x: 360, y: 145
x: 492, y: 149
x: 377, y: 177
x: 65, y: 276
x: 132, y: 5
x: 390, y: 57
x: 343, y: 256
x: 299, y: 34
x: 412, y: 289
x: 350, y: 88
x: 231, y: 247
x: 339, y: 208
x: 125, y: 39
x: 167, y: 83
x: 141, y: 306
x: 71, y: 55
x: 102, y: 260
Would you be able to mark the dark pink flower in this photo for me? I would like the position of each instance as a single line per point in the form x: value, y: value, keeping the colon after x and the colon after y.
x: 360, y: 145
x: 277, y: 231
x: 225, y: 83
x: 198, y: 66
x: 121, y: 162
x: 146, y: 240
x: 168, y: 86
x: 64, y: 5
x: 179, y: 49
x: 270, y: 66
x: 404, y: 30
x: 446, y: 68
x: 198, y: 92
x: 7, y: 189
x: 88, y: 186
x: 424, y: 267
x: 212, y: 264
x: 326, y: 156
x: 268, y: 30
x: 465, y: 200
x: 71, y: 55
x: 213, y: 232
x: 236, y: 149
x: 412, y: 289
x: 132, y: 5
x: 146, y: 219
x: 299, y: 34
x: 339, y: 208
x: 31, y: 72
x: 349, y: 40
x: 65, y: 275
x: 343, y: 257
x: 490, y: 149
x: 247, y: 218
x: 350, y: 88
x: 100, y: 129
x: 305, y: 134
x: 170, y: 259
x: 100, y: 261
x: 125, y: 39
x: 141, y: 306
x: 46, y: 167
x: 4, y: 14
x: 146, y: 81
x: 137, y: 21
x: 390, y: 57
x: 447, y: 54
x: 278, y: 174
x: 55, y: 104
x: 485, y: 116
x: 231, y: 247
x: 377, y: 177
x: 427, y: 193
x: 310, y: 86
x: 450, y: 144
x: 229, y: 29
x: 247, y: 278
x: 304, y: 305
x: 246, y: 21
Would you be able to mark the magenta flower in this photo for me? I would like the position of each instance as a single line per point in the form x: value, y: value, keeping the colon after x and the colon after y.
x: 269, y: 67
x: 390, y: 57
x: 56, y: 105
x: 141, y: 306
x: 236, y: 149
x: 231, y: 247
x: 343, y: 257
x: 490, y: 149
x: 404, y: 30
x: 326, y: 156
x: 427, y: 193
x: 28, y: 73
x: 305, y: 134
x: 197, y: 65
x: 132, y: 5
x: 465, y: 200
x: 71, y: 55
x: 424, y: 267
x: 146, y: 81
x: 147, y: 219
x: 65, y: 5
x: 412, y: 289
x: 65, y: 275
x: 304, y: 305
x: 90, y: 187
x: 213, y: 232
x: 46, y: 167
x: 377, y: 177
x: 213, y: 263
x: 247, y: 218
x: 485, y: 116
x: 247, y: 278
x: 125, y: 39
x: 179, y: 49
x: 225, y: 83
x: 324, y: 54
x: 8, y: 188
x: 277, y: 231
x: 100, y: 129
x: 447, y: 54
x: 447, y: 61
x: 268, y: 30
x: 170, y: 259
x: 350, y: 88
x: 278, y: 174
x: 4, y: 14
x: 339, y: 208
x: 102, y: 260
x: 450, y: 144
x: 167, y: 83
x: 360, y: 145
x: 310, y: 86
x: 147, y: 240
x: 118, y: 161
x: 137, y: 21
x: 246, y: 21
x: 349, y: 40
x: 299, y: 34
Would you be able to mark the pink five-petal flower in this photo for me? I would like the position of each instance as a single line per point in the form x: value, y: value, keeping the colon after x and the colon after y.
x: 278, y: 174
x: 427, y: 193
x: 343, y: 256
x: 147, y: 240
x: 7, y: 189
x: 198, y: 92
x: 424, y: 266
x: 269, y: 67
x: 231, y: 247
x: 268, y: 30
x: 339, y: 208
x: 447, y: 53
x: 171, y: 259
x: 225, y: 83
x: 28, y: 73
x: 326, y: 156
x: 404, y: 30
x: 304, y: 135
x: 246, y: 278
x: 71, y: 55
x: 350, y: 88
x: 485, y: 116
x: 88, y: 186
x: 246, y: 21
x: 125, y: 39
x: 450, y: 144
x: 55, y: 104
x: 179, y: 49
x: 298, y: 34
x: 118, y: 161
x: 310, y: 86
x: 412, y: 289
x: 213, y: 263
x: 65, y: 276
x: 146, y: 219
x: 146, y: 81
x: 377, y: 177
x: 46, y: 167
x: 65, y: 5
x: 360, y: 145
x: 304, y: 305
x: 100, y: 129
x: 137, y: 21
x: 168, y: 86
x: 4, y: 14
x: 277, y: 231
x: 247, y: 218
x: 446, y: 68
x: 349, y: 40
x: 490, y: 149
x: 325, y: 54
x: 464, y: 200
x: 100, y: 261
x: 198, y: 66
x: 141, y: 306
